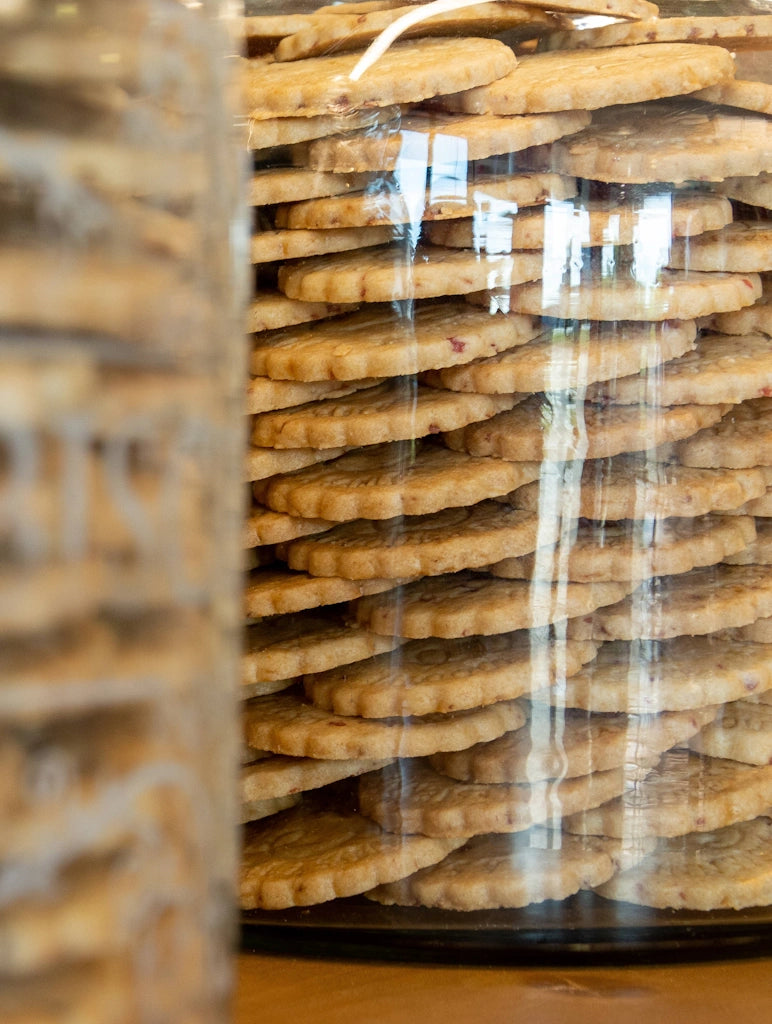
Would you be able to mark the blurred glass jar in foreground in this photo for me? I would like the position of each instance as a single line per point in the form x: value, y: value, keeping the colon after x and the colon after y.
x: 120, y: 442
x: 509, y: 612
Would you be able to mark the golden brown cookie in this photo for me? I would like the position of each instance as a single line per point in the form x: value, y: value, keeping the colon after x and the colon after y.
x: 392, y: 480
x: 307, y: 856
x: 441, y: 676
x: 411, y: 797
x: 647, y: 677
x: 715, y: 870
x: 573, y: 743
x: 377, y: 342
x: 572, y: 355
x: 592, y: 79
x: 467, y: 603
x: 686, y: 793
x: 285, y: 723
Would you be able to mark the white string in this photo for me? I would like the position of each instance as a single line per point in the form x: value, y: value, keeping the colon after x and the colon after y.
x: 382, y: 42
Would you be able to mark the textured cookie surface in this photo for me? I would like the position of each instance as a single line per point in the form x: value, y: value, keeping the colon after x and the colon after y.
x: 466, y: 604
x: 575, y: 744
x: 413, y: 797
x: 685, y: 794
x: 388, y: 481
x: 545, y: 428
x: 508, y: 871
x: 376, y: 342
x: 287, y: 724
x: 480, y: 135
x: 573, y: 355
x: 394, y: 411
x: 634, y: 549
x: 305, y: 857
x: 384, y: 274
x: 725, y: 868
x: 441, y: 676
x: 446, y: 541
x: 589, y: 79
x: 643, y: 677
x: 406, y: 73
x: 671, y: 141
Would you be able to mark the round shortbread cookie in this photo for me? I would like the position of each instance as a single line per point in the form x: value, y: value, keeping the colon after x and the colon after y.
x: 260, y: 463
x: 279, y: 244
x: 406, y: 73
x: 700, y: 601
x: 267, y: 132
x: 272, y: 591
x: 437, y: 134
x: 721, y: 368
x: 633, y: 549
x: 411, y: 797
x: 741, y: 439
x: 398, y: 410
x: 573, y: 355
x: 639, y: 487
x: 742, y: 731
x: 518, y: 870
x: 572, y: 743
x: 686, y: 793
x: 590, y: 79
x: 466, y: 604
x: 311, y: 855
x: 728, y: 31
x: 271, y: 185
x: 387, y: 205
x: 392, y: 480
x: 758, y: 551
x: 584, y: 223
x: 389, y: 273
x: 265, y: 394
x: 643, y: 677
x: 725, y: 868
x: 751, y: 191
x: 667, y: 141
x: 681, y: 295
x: 378, y: 342
x: 270, y: 311
x: 737, y: 93
x: 446, y: 541
x: 439, y: 677
x: 278, y: 776
x: 263, y: 526
x: 313, y: 642
x: 287, y: 724
x: 743, y: 246
x: 256, y: 810
x: 354, y: 31
x: 550, y: 427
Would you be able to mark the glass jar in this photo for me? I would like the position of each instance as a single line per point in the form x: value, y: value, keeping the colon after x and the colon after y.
x: 121, y: 435
x: 506, y: 678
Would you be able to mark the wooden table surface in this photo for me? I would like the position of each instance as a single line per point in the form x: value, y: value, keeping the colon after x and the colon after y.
x: 282, y: 989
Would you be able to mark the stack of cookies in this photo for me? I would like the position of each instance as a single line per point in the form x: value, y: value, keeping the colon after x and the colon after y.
x: 509, y: 599
x: 117, y: 457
